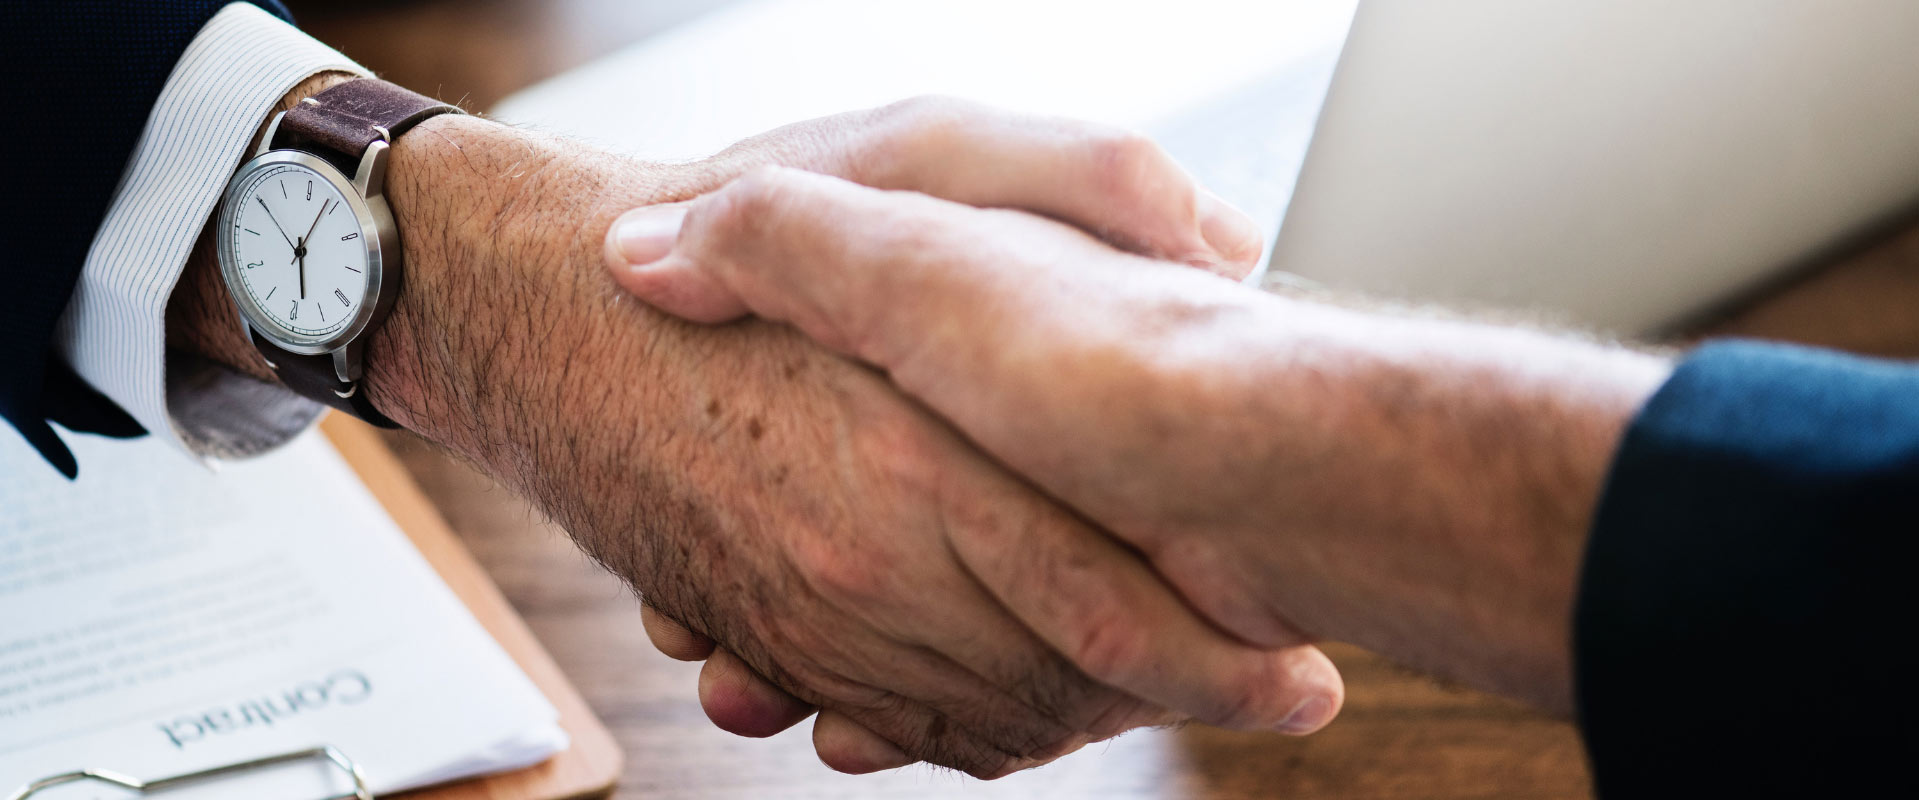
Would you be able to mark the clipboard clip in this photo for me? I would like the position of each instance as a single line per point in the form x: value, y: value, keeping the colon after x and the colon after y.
x: 328, y: 754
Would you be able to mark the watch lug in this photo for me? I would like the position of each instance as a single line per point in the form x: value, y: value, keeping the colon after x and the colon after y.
x: 346, y: 361
x: 370, y: 178
x: 246, y: 330
x: 273, y: 129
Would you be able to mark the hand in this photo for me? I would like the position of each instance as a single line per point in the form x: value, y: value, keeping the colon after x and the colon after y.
x: 1418, y: 486
x: 733, y: 695
x: 784, y: 502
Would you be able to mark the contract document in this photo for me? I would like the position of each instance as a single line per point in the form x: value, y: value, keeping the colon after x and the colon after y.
x: 158, y: 616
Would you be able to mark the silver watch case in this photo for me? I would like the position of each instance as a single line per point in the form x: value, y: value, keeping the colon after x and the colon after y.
x: 366, y: 198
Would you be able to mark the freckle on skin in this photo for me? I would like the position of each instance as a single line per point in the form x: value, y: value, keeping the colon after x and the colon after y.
x: 792, y: 370
x: 754, y: 429
x: 713, y: 408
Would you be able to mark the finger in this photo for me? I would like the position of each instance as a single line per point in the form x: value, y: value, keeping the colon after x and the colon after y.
x: 926, y: 734
x: 846, y: 746
x: 740, y: 702
x: 957, y: 721
x: 1108, y: 181
x: 1105, y: 609
x: 981, y: 666
x: 672, y: 638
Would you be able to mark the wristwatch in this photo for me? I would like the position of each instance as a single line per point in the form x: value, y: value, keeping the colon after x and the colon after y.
x: 310, y: 255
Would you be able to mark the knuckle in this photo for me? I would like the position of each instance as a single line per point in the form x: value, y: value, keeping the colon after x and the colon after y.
x: 1130, y: 165
x: 912, y: 133
x: 1244, y: 709
x: 928, y: 109
x: 842, y: 575
x: 754, y: 195
x: 1109, y: 648
x: 1254, y: 701
x: 744, y: 213
x: 898, y: 448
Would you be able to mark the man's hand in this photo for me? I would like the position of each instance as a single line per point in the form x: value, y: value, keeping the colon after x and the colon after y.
x: 775, y: 497
x: 1418, y: 486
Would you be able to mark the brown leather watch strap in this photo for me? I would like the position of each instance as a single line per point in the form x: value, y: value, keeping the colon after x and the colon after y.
x: 314, y: 378
x: 339, y: 124
x: 344, y: 120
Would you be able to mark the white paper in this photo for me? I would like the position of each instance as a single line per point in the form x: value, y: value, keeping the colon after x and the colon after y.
x: 157, y: 617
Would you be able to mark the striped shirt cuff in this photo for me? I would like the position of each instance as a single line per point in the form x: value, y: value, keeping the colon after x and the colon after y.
x: 113, y: 332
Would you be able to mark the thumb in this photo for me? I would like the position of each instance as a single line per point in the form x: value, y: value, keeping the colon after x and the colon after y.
x: 636, y: 250
x: 832, y: 258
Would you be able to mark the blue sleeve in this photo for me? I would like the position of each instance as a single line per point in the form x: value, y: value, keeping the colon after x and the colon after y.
x: 82, y: 77
x: 1748, y: 587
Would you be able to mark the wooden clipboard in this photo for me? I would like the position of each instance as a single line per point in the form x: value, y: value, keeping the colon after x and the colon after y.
x: 591, y: 764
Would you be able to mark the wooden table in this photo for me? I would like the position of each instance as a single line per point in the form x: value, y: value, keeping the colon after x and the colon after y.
x: 1401, y: 735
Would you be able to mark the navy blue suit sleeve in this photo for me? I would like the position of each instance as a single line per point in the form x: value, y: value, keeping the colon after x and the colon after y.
x: 82, y: 77
x: 1748, y: 589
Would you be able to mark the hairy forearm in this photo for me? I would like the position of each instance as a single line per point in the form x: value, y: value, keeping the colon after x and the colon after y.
x: 1419, y: 485
x: 1466, y: 461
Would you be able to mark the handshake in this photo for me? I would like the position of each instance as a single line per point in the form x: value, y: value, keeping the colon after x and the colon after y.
x: 959, y: 428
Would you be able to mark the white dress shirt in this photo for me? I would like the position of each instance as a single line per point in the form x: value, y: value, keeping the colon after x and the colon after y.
x: 113, y: 332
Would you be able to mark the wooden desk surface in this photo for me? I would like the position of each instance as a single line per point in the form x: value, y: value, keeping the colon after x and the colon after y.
x: 1400, y: 736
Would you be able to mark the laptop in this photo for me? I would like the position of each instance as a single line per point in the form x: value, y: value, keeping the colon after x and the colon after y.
x: 1625, y: 165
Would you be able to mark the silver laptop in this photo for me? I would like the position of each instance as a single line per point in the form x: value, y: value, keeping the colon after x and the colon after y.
x: 1623, y: 164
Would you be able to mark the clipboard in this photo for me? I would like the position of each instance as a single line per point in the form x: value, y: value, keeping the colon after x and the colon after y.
x: 588, y: 767
x: 591, y: 763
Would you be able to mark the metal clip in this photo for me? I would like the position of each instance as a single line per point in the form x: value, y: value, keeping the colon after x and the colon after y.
x: 329, y: 754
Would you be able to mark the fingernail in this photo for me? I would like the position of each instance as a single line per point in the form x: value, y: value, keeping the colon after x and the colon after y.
x: 1231, y: 234
x: 1308, y: 716
x: 645, y: 235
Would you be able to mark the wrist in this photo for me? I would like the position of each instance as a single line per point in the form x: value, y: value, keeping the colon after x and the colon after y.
x: 501, y: 232
x: 200, y: 318
x: 1458, y: 467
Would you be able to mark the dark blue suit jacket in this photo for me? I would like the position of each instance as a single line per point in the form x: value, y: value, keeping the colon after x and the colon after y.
x: 1741, y: 613
x: 81, y: 77
x: 1749, y: 585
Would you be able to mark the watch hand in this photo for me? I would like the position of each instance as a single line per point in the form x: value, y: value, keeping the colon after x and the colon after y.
x: 276, y: 223
x: 316, y: 221
x: 300, y: 250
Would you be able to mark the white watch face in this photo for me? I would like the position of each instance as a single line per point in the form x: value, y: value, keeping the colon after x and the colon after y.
x: 296, y: 249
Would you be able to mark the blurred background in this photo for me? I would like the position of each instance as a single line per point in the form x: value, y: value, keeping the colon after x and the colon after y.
x: 482, y: 50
